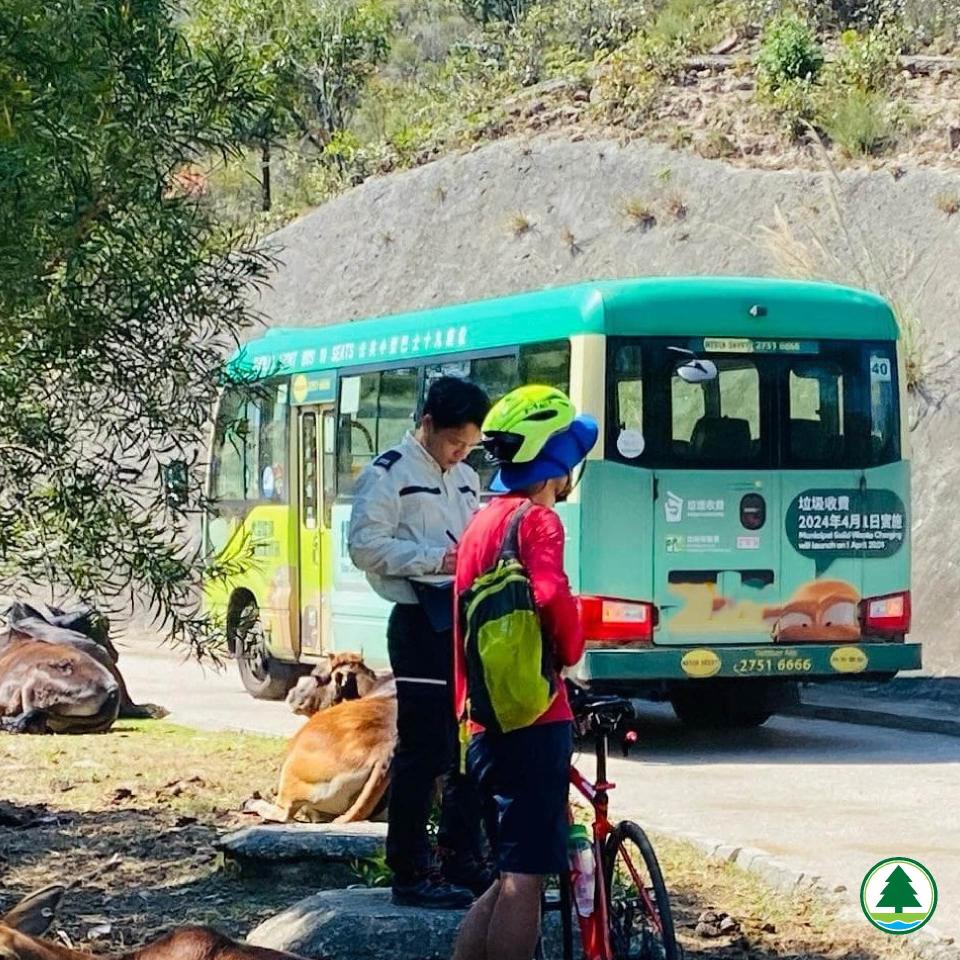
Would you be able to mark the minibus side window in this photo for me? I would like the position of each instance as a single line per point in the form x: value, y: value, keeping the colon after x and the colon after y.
x: 250, y: 445
x: 376, y: 410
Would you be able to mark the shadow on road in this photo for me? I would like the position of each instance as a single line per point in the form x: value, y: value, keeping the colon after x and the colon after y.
x: 782, y: 740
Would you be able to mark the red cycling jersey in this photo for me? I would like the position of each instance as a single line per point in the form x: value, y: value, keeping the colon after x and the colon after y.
x: 541, y: 541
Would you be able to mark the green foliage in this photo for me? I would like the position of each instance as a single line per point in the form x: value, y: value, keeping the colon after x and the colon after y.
x: 587, y: 26
x: 789, y: 54
x: 694, y: 25
x: 867, y: 61
x: 486, y: 11
x: 314, y: 56
x: 860, y: 122
x: 373, y: 871
x: 788, y: 67
x: 632, y: 78
x: 119, y: 294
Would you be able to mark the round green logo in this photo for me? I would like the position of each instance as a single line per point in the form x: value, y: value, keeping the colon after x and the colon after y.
x: 898, y: 895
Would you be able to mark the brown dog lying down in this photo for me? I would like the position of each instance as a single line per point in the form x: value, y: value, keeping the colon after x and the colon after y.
x: 338, y: 763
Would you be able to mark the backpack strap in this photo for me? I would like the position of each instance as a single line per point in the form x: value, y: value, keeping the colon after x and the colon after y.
x: 511, y: 542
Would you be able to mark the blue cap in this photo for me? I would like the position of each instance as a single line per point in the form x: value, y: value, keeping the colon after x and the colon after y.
x: 560, y: 454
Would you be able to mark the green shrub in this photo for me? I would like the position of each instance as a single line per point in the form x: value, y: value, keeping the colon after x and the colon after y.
x: 695, y: 25
x: 858, y: 121
x: 789, y: 53
x: 486, y: 11
x: 796, y: 104
x: 867, y: 61
x: 633, y: 77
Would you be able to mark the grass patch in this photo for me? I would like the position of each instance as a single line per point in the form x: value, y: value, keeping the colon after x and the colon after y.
x: 639, y: 213
x: 191, y: 772
x: 949, y: 203
x: 716, y: 145
x: 772, y: 923
x: 569, y: 240
x: 676, y: 206
x: 858, y: 122
x: 519, y: 224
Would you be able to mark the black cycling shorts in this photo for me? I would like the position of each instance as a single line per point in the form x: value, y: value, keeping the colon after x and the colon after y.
x: 528, y: 774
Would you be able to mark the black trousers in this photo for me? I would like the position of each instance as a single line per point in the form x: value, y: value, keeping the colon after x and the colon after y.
x: 427, y: 748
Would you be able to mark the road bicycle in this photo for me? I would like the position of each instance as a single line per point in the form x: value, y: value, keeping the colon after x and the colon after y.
x: 631, y: 918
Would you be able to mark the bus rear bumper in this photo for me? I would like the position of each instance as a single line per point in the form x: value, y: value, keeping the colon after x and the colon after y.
x: 801, y: 662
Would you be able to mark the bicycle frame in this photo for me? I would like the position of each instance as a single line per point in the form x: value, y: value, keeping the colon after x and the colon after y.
x: 595, y: 930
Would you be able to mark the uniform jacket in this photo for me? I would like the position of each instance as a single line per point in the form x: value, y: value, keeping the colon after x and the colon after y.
x: 404, y: 505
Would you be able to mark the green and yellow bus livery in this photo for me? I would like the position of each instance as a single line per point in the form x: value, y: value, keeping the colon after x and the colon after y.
x: 744, y: 525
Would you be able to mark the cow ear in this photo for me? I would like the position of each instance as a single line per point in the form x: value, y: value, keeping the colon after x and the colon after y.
x: 323, y: 671
x: 34, y: 914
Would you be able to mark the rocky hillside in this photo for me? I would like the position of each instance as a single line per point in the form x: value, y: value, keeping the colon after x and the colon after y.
x: 526, y: 213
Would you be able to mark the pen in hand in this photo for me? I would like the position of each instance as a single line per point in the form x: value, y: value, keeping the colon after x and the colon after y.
x: 452, y: 538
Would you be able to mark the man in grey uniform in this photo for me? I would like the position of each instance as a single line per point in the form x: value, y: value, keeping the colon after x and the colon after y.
x: 410, y: 507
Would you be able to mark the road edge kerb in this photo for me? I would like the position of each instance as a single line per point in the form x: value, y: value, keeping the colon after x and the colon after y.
x: 874, y: 718
x: 929, y: 943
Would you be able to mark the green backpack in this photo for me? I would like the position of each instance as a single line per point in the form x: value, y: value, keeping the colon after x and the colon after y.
x: 509, y: 676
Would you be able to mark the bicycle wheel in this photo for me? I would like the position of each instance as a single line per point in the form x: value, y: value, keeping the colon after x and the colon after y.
x: 639, y: 915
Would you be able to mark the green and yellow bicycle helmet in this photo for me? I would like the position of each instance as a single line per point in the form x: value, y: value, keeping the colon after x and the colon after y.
x: 519, y: 424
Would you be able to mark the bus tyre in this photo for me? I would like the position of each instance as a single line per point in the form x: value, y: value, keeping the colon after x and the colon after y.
x: 721, y: 706
x: 263, y: 677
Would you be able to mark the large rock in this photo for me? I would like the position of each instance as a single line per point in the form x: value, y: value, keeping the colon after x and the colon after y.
x: 360, y: 924
x: 319, y: 852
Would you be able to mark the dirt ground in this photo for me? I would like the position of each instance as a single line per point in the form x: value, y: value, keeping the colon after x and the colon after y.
x: 128, y: 820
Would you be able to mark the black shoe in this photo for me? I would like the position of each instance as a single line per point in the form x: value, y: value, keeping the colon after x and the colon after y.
x: 475, y: 875
x: 431, y: 893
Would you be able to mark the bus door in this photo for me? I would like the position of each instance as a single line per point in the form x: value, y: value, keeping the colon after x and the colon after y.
x: 316, y: 436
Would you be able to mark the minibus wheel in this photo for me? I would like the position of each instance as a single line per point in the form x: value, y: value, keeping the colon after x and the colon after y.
x: 263, y: 677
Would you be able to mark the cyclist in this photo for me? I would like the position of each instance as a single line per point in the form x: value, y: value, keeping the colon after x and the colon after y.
x: 527, y: 770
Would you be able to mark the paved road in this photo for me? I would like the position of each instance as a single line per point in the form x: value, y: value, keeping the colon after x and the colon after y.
x: 825, y: 798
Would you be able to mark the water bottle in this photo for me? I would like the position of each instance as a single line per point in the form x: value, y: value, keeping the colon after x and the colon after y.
x: 583, y: 868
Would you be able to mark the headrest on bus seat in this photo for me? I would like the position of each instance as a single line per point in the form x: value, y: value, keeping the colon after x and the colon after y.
x: 811, y: 441
x: 721, y: 438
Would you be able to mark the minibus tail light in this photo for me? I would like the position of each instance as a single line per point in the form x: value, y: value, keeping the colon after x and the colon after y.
x: 608, y: 620
x: 888, y: 615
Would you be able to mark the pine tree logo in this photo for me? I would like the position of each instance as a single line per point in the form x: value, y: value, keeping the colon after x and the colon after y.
x: 898, y: 895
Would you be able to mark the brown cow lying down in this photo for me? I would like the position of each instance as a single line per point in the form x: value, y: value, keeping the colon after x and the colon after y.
x: 338, y: 763
x: 54, y: 679
x: 22, y: 927
x: 337, y: 677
